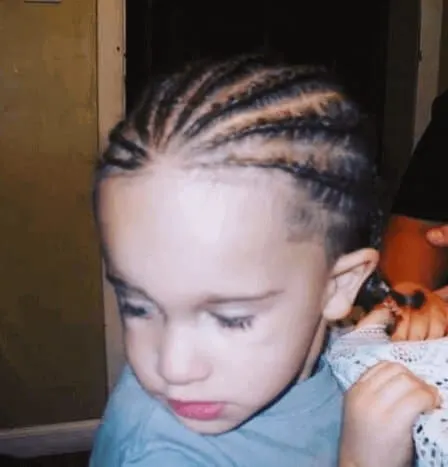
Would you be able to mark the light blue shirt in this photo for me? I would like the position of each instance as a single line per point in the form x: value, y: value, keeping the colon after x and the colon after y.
x: 300, y: 430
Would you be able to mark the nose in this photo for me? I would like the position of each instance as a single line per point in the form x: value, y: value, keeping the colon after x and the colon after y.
x: 180, y: 361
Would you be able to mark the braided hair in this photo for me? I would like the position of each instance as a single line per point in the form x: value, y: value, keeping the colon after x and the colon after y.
x: 298, y: 122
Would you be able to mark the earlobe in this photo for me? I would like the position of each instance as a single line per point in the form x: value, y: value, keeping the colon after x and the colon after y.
x: 348, y: 274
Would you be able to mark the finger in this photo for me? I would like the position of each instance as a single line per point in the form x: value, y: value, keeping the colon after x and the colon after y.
x: 442, y: 293
x: 438, y: 236
x: 401, y: 385
x: 419, y: 321
x: 393, y: 389
x: 415, y: 402
x: 437, y: 328
x: 401, y: 330
x: 437, y: 322
x: 380, y: 374
x: 380, y: 315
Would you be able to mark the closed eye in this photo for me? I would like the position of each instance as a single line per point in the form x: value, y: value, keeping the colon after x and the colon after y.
x: 130, y: 308
x: 238, y: 322
x: 133, y: 311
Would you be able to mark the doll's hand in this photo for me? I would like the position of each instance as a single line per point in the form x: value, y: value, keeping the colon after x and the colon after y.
x: 428, y: 322
x: 443, y: 294
x: 438, y: 236
x: 409, y: 324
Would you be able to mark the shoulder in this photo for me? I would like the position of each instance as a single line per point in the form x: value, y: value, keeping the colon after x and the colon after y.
x: 128, y: 406
x: 128, y: 409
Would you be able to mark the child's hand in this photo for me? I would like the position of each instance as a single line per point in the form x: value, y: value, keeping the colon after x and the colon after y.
x: 380, y: 411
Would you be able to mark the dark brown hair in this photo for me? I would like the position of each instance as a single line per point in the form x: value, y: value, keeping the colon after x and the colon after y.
x: 298, y: 120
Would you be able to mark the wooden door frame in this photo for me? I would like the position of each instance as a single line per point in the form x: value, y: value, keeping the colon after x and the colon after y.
x: 62, y: 438
x: 111, y: 107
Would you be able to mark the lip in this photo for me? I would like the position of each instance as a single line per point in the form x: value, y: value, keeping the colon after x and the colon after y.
x: 196, y: 410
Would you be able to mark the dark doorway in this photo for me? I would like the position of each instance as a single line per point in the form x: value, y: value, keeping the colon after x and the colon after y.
x: 348, y: 36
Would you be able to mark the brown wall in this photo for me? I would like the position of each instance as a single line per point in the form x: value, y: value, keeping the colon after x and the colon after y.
x: 52, y: 365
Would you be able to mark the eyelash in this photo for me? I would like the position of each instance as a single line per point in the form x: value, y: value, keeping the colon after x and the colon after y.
x: 133, y: 311
x: 242, y: 323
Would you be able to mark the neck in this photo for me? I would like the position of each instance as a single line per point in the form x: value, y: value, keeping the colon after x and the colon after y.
x: 315, y: 350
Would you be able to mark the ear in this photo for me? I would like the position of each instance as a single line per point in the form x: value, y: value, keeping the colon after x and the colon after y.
x: 347, y: 276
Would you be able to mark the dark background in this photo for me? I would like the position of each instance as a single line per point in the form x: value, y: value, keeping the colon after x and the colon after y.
x: 348, y: 36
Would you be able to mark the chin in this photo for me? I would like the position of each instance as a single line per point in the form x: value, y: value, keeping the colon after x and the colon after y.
x: 209, y: 427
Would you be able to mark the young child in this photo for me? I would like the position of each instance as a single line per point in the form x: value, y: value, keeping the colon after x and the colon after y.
x: 235, y: 205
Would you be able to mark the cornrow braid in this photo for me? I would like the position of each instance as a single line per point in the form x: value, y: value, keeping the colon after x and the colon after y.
x: 224, y: 74
x: 124, y: 152
x: 283, y: 85
x: 253, y: 112
x: 306, y: 171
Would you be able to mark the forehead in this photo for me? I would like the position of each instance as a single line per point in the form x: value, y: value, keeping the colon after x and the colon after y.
x: 191, y: 227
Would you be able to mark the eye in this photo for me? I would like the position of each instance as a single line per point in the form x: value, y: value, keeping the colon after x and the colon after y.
x: 129, y: 310
x: 239, y: 322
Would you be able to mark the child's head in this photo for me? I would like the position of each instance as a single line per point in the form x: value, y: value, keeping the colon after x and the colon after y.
x: 233, y: 205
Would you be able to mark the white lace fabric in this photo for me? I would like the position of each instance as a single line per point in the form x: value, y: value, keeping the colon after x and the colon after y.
x: 351, y: 354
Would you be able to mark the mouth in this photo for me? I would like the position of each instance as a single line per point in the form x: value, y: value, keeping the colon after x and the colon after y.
x: 203, y: 411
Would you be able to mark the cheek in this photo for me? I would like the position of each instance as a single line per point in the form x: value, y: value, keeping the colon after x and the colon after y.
x: 141, y: 353
x: 259, y: 380
x: 286, y: 347
x: 276, y: 359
